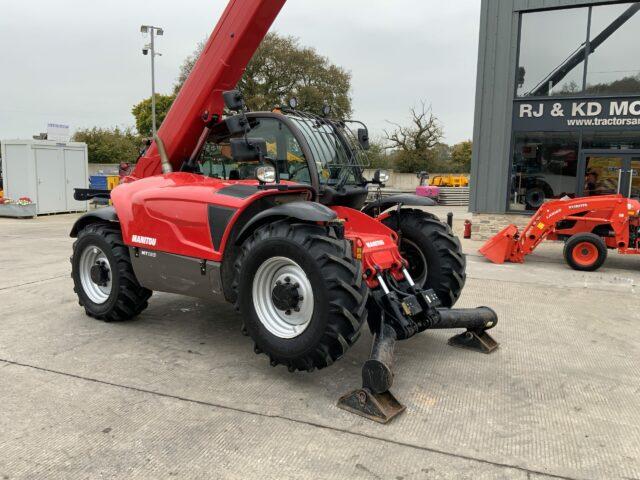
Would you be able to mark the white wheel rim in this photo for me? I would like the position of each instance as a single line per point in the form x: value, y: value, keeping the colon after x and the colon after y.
x: 90, y: 257
x: 282, y: 323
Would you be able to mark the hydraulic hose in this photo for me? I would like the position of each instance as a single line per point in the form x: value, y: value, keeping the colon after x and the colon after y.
x: 164, y: 158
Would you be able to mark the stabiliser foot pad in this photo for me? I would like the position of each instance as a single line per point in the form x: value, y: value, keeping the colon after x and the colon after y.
x: 379, y: 407
x: 479, y: 341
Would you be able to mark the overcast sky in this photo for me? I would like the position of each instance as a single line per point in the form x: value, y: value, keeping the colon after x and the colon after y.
x: 80, y: 62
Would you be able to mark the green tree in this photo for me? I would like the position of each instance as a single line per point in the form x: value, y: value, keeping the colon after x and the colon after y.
x: 377, y: 155
x: 280, y: 69
x: 109, y: 145
x: 187, y: 66
x: 142, y: 113
x: 415, y: 144
x: 461, y: 157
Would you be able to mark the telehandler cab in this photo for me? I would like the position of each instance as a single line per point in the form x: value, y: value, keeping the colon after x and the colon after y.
x: 279, y: 226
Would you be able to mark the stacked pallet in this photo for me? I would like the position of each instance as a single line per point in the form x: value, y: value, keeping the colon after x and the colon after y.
x: 453, y: 196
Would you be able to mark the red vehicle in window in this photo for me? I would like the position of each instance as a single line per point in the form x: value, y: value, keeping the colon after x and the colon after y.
x: 279, y: 226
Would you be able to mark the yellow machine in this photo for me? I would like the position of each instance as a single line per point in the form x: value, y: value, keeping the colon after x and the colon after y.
x: 449, y: 181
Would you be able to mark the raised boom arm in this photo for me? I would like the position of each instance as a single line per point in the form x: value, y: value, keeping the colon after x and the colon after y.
x: 235, y: 39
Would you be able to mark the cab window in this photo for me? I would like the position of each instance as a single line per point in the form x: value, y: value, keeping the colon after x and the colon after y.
x: 282, y: 147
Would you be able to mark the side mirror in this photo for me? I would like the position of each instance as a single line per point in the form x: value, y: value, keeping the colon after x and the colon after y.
x: 363, y: 138
x: 237, y: 124
x: 233, y: 100
x: 249, y: 150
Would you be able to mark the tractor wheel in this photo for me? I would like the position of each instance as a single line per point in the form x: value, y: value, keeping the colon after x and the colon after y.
x: 103, y: 277
x: 433, y: 251
x: 585, y: 252
x: 534, y: 198
x: 301, y: 294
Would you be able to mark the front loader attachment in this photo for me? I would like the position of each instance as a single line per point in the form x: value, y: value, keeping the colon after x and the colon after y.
x: 503, y: 246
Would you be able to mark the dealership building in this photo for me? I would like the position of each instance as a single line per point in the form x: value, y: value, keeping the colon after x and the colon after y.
x: 557, y: 106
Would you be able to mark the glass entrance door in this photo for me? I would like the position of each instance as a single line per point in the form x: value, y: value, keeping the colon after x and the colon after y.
x: 634, y: 177
x: 610, y: 172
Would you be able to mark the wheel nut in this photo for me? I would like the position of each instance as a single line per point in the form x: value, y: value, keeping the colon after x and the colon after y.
x: 296, y: 285
x: 287, y: 279
x: 296, y: 309
x: 300, y: 298
x: 288, y: 312
x: 278, y: 282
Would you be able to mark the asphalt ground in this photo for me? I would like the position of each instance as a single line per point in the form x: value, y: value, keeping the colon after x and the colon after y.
x: 179, y: 393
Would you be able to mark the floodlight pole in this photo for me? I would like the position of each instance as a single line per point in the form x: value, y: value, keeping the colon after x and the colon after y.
x: 153, y: 83
x: 152, y: 48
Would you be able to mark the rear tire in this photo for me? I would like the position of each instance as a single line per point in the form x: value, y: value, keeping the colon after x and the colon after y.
x: 103, y: 276
x: 425, y: 238
x: 296, y: 258
x: 585, y: 252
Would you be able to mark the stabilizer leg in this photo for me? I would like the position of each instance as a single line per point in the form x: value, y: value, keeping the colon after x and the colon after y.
x: 477, y: 321
x: 379, y: 407
x: 374, y: 400
x: 477, y: 340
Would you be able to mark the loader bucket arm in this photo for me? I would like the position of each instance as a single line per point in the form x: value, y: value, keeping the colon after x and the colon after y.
x: 230, y: 47
x: 511, y: 245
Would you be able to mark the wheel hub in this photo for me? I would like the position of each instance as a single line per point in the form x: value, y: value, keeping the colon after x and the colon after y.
x: 100, y: 274
x: 285, y: 296
x: 95, y: 274
x: 585, y: 254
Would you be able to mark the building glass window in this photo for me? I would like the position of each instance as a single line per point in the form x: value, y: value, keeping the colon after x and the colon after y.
x: 544, y: 167
x: 616, y: 140
x: 614, y: 64
x: 548, y: 42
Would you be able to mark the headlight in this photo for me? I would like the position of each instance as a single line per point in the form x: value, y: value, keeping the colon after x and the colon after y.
x: 381, y: 176
x: 266, y: 174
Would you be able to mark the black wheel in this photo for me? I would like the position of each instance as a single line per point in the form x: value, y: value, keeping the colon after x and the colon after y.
x: 534, y: 198
x: 103, y: 277
x: 585, y: 252
x: 301, y: 294
x: 433, y: 251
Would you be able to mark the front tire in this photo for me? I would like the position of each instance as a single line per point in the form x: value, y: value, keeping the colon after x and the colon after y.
x: 300, y: 293
x: 103, y: 276
x: 585, y: 252
x: 433, y: 251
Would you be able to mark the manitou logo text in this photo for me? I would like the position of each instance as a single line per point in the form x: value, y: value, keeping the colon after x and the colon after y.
x: 375, y: 243
x: 144, y: 240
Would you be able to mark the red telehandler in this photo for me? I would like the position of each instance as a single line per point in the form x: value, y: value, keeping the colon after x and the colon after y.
x: 589, y: 225
x: 268, y: 210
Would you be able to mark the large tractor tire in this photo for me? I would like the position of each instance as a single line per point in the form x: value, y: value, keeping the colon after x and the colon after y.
x: 433, y: 251
x: 585, y: 252
x: 103, y: 277
x: 300, y: 293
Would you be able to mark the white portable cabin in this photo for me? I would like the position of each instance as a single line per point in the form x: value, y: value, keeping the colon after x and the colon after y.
x: 45, y: 171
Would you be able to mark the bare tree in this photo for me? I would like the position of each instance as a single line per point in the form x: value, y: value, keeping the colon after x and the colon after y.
x: 424, y: 132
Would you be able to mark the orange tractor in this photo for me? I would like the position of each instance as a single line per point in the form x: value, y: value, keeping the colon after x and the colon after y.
x: 590, y: 227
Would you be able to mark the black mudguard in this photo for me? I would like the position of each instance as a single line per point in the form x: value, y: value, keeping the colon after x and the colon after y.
x: 300, y: 210
x: 106, y: 214
x: 404, y: 198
